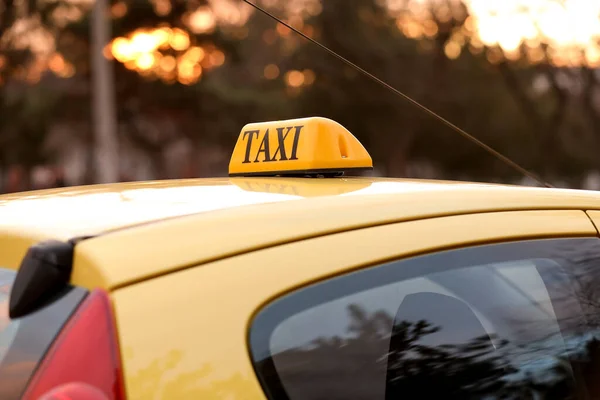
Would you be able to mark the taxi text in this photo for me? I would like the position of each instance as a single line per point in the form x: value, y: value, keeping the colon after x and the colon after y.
x: 281, y: 153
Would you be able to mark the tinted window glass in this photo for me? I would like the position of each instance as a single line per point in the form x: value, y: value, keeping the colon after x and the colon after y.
x: 512, y: 320
x: 24, y: 341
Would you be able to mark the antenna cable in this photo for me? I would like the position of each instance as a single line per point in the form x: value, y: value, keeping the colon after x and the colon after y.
x: 455, y: 128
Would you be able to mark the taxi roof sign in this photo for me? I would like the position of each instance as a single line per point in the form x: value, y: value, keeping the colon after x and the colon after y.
x: 297, y: 147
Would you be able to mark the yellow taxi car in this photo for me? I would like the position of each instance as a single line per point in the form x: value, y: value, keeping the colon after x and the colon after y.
x: 289, y: 281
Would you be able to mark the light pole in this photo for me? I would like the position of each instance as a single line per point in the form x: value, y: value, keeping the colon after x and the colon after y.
x: 106, y: 143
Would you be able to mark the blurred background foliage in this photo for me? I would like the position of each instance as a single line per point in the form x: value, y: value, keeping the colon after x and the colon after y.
x: 520, y: 75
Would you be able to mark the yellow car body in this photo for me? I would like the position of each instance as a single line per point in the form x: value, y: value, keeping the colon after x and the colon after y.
x: 225, y: 247
x: 189, y: 263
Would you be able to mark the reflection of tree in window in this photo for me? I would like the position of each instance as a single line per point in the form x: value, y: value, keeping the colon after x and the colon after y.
x: 510, y: 321
x: 472, y: 369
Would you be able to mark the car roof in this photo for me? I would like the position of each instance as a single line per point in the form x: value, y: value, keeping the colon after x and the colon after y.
x: 191, y: 222
x: 91, y: 210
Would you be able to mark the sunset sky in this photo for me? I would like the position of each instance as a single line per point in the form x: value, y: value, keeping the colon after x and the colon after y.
x: 570, y: 27
x: 509, y: 22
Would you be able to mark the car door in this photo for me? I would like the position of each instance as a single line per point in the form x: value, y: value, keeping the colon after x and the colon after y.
x: 484, y: 305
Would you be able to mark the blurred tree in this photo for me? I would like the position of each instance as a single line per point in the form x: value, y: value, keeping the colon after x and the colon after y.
x: 26, y: 122
x: 166, y: 55
x: 392, y: 129
x: 161, y: 65
x: 554, y: 88
x: 485, y: 91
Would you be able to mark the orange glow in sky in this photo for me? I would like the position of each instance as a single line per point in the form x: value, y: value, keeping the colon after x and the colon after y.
x: 560, y: 23
x: 566, y: 26
x: 571, y: 28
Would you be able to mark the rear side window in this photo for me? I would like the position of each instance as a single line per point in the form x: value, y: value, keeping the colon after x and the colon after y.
x: 24, y: 341
x: 504, y: 321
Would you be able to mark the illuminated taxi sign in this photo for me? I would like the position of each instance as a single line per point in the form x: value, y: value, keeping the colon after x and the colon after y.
x: 298, y: 147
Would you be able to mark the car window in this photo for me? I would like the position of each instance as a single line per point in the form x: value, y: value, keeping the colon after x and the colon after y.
x: 24, y: 341
x: 510, y: 320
